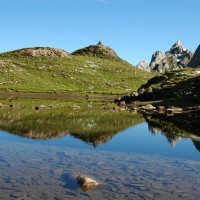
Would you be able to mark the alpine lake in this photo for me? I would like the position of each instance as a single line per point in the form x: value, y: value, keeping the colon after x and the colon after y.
x: 45, y: 144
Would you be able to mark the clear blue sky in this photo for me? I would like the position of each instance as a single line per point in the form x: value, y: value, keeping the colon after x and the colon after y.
x: 135, y: 29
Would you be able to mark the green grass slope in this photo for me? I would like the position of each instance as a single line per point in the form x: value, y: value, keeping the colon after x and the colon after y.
x: 24, y: 72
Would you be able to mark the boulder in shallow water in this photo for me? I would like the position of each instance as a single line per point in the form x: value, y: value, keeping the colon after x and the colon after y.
x: 86, y: 183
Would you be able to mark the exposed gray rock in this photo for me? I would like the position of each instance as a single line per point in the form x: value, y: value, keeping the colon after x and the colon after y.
x: 195, y: 61
x: 177, y: 48
x: 144, y: 66
x: 157, y: 59
x: 176, y: 58
x: 183, y: 55
x: 185, y: 58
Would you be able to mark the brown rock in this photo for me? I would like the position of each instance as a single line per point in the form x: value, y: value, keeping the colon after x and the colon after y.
x: 86, y: 183
x: 161, y: 109
x: 174, y: 110
x: 148, y: 107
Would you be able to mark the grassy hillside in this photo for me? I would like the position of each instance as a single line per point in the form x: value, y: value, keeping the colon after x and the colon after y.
x: 27, y: 73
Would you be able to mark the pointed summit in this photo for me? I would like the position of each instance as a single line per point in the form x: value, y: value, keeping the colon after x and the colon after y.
x: 177, y: 48
x: 98, y: 50
x: 100, y: 43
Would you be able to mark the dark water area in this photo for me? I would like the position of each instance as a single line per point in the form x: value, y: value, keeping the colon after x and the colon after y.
x: 42, y: 153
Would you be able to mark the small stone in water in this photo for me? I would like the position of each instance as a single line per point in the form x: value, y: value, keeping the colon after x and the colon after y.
x: 86, y: 183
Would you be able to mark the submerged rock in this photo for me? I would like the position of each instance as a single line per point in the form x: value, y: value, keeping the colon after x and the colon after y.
x: 86, y: 183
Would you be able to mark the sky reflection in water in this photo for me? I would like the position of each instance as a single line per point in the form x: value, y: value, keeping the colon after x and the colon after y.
x: 137, y: 139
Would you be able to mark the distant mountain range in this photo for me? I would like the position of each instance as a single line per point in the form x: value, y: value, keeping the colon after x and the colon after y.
x: 177, y: 57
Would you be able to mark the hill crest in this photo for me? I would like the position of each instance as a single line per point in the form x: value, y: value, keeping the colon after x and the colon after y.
x: 41, y: 51
x: 98, y: 50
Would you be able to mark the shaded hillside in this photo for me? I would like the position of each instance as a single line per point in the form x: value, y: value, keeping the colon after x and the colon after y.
x: 54, y: 70
x: 181, y: 84
x: 195, y: 61
x: 179, y: 88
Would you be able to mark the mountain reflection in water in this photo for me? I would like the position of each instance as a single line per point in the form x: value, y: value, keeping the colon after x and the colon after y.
x: 94, y: 126
x: 176, y: 127
x: 91, y: 126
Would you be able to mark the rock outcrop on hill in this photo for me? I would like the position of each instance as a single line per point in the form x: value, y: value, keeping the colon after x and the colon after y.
x: 98, y: 50
x: 176, y: 58
x: 144, y: 66
x: 195, y: 61
x: 158, y: 61
x: 42, y: 51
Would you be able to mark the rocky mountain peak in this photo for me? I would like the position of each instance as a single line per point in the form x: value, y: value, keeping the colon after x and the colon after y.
x: 98, y: 50
x: 100, y: 43
x: 177, y: 57
x: 177, y: 48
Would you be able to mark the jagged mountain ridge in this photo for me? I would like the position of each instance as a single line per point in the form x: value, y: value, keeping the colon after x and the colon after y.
x: 176, y: 58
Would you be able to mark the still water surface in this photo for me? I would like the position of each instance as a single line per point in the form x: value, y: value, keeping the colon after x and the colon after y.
x: 135, y: 161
